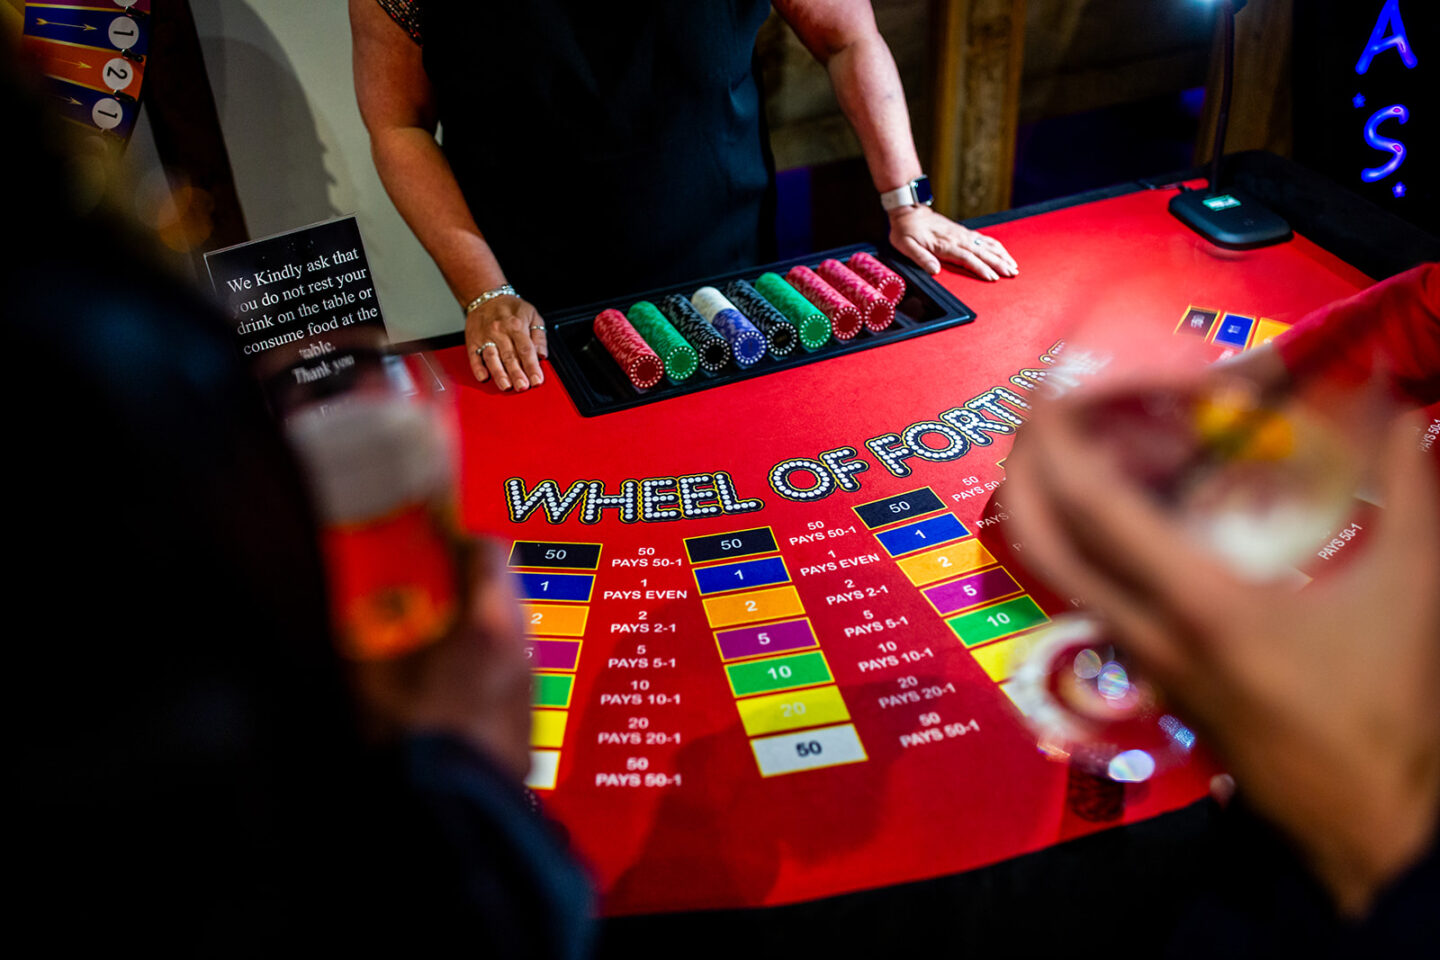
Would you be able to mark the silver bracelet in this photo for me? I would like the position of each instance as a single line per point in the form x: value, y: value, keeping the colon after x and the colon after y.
x: 502, y: 291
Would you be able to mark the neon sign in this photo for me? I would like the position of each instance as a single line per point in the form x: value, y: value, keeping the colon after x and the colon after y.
x: 1388, y: 34
x: 1389, y: 19
x: 1384, y: 144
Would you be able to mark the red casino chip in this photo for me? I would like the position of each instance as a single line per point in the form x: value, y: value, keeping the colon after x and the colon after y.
x: 890, y: 284
x: 844, y: 317
x: 877, y: 312
x: 640, y: 363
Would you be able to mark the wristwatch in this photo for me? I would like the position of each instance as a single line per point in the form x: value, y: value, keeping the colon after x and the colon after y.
x: 915, y: 192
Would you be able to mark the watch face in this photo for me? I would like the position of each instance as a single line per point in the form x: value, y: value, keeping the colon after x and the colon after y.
x: 922, y: 191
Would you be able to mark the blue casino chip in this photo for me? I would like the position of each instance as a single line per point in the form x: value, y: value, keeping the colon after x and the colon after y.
x: 779, y: 332
x: 746, y: 342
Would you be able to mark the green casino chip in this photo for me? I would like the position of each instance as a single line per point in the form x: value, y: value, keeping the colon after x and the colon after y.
x: 813, y: 325
x: 674, y: 350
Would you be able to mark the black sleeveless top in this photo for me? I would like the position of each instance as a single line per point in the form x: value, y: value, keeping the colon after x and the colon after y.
x: 605, y: 147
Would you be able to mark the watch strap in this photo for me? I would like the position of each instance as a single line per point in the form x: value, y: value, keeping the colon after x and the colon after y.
x: 899, y: 197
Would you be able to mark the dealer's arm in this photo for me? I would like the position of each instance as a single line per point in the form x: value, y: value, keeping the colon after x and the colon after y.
x: 842, y: 35
x: 398, y: 107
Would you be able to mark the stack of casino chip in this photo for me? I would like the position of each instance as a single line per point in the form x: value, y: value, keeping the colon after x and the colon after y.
x: 890, y: 284
x: 640, y: 363
x: 844, y: 317
x: 674, y: 350
x: 747, y: 343
x: 813, y: 325
x: 712, y: 348
x: 779, y: 332
x: 877, y: 312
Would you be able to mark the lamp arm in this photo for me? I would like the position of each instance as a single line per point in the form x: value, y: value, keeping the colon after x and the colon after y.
x: 1222, y: 120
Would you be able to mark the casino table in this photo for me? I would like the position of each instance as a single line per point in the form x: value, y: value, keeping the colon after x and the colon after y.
x: 773, y: 643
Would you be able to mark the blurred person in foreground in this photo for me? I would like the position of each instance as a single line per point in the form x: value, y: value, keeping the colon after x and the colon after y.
x: 190, y: 762
x: 1324, y: 703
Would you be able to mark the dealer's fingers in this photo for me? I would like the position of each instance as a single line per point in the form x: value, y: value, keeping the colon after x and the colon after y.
x: 477, y: 362
x: 496, y: 365
x: 539, y: 338
x: 527, y: 354
x: 913, y: 249
x: 986, y: 250
x: 992, y: 251
x: 510, y: 359
x: 474, y: 347
x: 961, y: 254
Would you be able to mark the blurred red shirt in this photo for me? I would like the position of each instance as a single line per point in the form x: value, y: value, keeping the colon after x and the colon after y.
x: 1391, y: 330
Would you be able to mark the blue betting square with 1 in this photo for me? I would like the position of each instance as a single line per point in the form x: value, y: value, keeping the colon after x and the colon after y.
x: 1234, y: 330
x: 555, y: 586
x: 918, y: 536
x: 738, y: 576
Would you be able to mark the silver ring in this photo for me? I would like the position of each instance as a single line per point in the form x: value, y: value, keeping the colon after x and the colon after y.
x: 480, y: 350
x: 977, y: 241
x: 537, y: 326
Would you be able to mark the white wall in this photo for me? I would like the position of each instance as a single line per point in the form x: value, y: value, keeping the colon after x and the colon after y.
x: 281, y: 73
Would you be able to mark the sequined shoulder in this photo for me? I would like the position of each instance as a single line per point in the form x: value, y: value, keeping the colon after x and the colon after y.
x: 407, y: 14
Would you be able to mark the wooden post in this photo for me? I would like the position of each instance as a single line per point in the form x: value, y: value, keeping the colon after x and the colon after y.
x: 976, y: 98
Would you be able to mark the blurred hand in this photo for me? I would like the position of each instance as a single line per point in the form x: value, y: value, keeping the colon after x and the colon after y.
x: 518, y: 334
x: 1323, y: 702
x: 474, y: 683
x: 927, y: 238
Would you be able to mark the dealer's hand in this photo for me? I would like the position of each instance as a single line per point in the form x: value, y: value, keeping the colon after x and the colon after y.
x: 1321, y: 702
x: 505, y: 338
x: 928, y: 237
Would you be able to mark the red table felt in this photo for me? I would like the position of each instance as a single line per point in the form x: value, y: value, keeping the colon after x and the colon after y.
x: 724, y: 835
